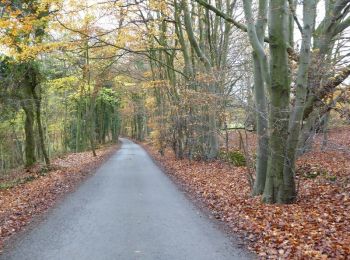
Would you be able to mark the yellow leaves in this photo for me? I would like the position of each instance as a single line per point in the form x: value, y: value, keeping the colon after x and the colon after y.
x: 150, y: 102
x: 19, y: 29
x: 51, y: 5
x: 63, y: 84
x: 147, y: 74
x: 29, y: 52
x: 5, y: 24
x: 11, y: 26
x: 124, y: 81
x: 160, y: 5
x: 156, y: 84
x: 27, y: 27
x: 125, y: 36
x: 80, y: 89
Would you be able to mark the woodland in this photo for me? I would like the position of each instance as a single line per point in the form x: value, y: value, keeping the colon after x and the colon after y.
x: 246, y: 103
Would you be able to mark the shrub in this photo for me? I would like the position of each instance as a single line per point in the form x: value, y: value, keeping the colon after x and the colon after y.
x: 237, y: 158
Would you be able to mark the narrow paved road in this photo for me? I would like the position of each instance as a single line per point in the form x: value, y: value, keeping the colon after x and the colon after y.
x: 128, y: 210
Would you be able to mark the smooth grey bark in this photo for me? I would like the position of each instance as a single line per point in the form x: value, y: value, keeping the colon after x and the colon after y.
x: 256, y: 34
x: 276, y: 190
x: 254, y: 39
x: 295, y: 123
x: 321, y: 80
x: 184, y: 46
x: 261, y: 130
x: 280, y: 185
x: 192, y: 38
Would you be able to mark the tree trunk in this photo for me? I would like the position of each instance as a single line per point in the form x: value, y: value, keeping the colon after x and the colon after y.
x: 261, y: 106
x: 37, y: 102
x: 29, y: 132
x: 262, y: 126
x: 91, y: 119
x: 295, y: 123
x: 277, y: 188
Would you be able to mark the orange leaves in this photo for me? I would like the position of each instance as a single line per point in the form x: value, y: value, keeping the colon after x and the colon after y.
x: 19, y: 31
x: 316, y: 227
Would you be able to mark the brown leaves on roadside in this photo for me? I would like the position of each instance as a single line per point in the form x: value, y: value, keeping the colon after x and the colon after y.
x: 317, y: 226
x: 18, y: 205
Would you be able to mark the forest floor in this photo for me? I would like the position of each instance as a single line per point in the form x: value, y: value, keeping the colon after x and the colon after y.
x: 317, y: 226
x: 25, y: 194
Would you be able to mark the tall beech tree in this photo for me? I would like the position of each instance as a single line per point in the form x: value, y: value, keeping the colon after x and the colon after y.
x: 26, y: 22
x: 290, y: 113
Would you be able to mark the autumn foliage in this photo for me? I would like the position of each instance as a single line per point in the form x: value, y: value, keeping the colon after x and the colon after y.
x: 317, y: 226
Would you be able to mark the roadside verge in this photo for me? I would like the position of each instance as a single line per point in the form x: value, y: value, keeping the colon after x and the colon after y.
x: 34, y: 191
x: 315, y: 227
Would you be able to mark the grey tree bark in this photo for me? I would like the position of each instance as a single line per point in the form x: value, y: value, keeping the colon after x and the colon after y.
x: 256, y: 34
x: 295, y: 123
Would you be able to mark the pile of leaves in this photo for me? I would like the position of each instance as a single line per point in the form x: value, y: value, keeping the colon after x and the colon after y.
x: 28, y: 193
x: 317, y: 226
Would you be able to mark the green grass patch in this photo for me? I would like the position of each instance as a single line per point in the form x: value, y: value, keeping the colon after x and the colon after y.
x: 234, y: 157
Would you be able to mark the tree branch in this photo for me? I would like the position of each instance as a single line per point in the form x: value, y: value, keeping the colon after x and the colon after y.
x: 292, y: 54
x: 295, y: 16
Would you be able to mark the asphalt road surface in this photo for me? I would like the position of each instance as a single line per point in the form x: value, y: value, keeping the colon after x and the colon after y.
x: 128, y: 210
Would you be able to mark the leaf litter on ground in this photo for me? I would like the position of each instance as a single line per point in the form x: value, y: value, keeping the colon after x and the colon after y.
x: 28, y: 193
x: 317, y: 226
